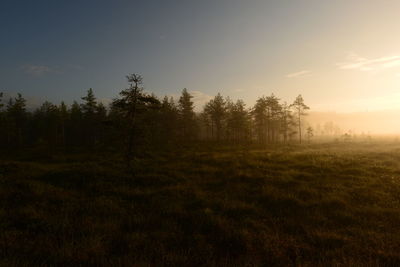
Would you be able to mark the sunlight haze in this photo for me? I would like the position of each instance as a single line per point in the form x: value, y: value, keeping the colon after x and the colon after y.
x: 342, y: 56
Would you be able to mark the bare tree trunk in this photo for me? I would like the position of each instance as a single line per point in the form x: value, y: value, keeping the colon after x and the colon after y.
x: 299, y: 128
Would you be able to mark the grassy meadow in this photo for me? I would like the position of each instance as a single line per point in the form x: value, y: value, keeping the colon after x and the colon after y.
x: 332, y: 204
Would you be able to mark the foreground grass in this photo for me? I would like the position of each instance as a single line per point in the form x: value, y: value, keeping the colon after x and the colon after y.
x: 327, y: 204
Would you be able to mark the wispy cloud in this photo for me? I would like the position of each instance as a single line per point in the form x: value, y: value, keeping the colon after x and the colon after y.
x: 38, y: 70
x: 200, y: 99
x: 355, y: 62
x: 302, y: 73
x: 75, y: 67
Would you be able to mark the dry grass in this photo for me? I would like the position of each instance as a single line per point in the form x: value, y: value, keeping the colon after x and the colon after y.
x: 325, y: 204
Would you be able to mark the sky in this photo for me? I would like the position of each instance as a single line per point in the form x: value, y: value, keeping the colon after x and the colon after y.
x: 341, y: 55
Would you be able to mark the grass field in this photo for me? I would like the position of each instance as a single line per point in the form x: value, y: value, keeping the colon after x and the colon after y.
x: 323, y: 204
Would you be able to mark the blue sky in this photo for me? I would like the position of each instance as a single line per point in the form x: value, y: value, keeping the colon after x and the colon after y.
x: 56, y: 50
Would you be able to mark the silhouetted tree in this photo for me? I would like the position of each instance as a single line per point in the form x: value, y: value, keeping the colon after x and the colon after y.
x: 63, y: 118
x: 75, y: 124
x: 273, y: 111
x: 90, y: 104
x: 259, y: 113
x: 45, y: 122
x: 137, y: 122
x: 287, y: 122
x: 16, y: 116
x: 169, y: 120
x: 99, y: 123
x: 216, y: 108
x: 238, y: 120
x: 133, y: 102
x: 299, y: 108
x: 310, y: 133
x: 89, y: 107
x: 187, y: 115
x: 1, y: 99
x: 2, y: 121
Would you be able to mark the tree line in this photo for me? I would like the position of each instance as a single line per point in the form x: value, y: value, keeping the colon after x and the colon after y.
x: 137, y: 120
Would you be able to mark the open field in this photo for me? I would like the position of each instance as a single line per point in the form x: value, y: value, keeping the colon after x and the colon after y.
x: 322, y: 204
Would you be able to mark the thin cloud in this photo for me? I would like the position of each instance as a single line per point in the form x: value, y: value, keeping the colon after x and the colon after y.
x: 355, y: 62
x: 200, y: 99
x: 75, y: 67
x: 38, y: 70
x: 302, y: 73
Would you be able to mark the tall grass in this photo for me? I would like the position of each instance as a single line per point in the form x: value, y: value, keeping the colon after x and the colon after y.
x: 325, y: 204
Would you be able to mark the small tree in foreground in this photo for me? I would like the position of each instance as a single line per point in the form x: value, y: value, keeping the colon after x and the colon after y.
x: 132, y: 103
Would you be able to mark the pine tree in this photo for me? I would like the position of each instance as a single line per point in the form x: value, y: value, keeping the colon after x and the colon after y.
x: 216, y: 108
x: 259, y: 113
x: 46, y: 120
x: 133, y: 102
x: 310, y: 133
x: 75, y: 124
x: 2, y: 121
x: 187, y: 115
x: 169, y: 120
x: 299, y: 108
x: 1, y: 104
x: 89, y: 106
x: 286, y: 122
x: 63, y: 118
x: 16, y: 114
x: 273, y: 111
x: 238, y: 120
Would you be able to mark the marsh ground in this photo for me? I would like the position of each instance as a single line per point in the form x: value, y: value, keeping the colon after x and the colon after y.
x: 321, y: 204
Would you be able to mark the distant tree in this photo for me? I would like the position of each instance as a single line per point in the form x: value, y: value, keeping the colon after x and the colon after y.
x: 169, y: 120
x: 99, y: 121
x: 259, y: 113
x: 63, y: 118
x: 287, y: 122
x: 2, y: 121
x: 45, y: 121
x: 238, y: 120
x: 1, y: 104
x: 346, y: 137
x: 89, y: 105
x: 310, y: 133
x: 16, y: 114
x: 75, y: 124
x: 187, y: 115
x: 273, y: 120
x: 136, y: 121
x: 299, y: 108
x: 329, y: 128
x: 1, y: 108
x: 206, y: 124
x: 216, y: 108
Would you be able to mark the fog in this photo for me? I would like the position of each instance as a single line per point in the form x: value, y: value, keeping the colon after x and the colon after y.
x: 372, y: 122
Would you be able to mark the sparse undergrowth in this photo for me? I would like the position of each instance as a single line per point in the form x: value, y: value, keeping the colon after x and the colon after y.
x: 325, y: 204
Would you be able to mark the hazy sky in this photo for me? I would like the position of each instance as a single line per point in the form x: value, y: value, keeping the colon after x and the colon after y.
x: 341, y: 55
